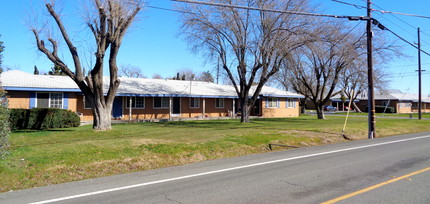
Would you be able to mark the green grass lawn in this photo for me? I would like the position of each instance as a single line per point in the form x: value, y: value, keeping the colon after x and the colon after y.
x: 39, y: 158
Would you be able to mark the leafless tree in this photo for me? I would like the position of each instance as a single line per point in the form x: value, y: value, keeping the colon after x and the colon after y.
x: 157, y: 76
x: 108, y: 21
x: 250, y: 45
x: 130, y: 71
x: 353, y: 80
x: 186, y: 74
x: 315, y: 68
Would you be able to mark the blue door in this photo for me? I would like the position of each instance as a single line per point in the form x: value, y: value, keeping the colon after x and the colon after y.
x: 117, y: 107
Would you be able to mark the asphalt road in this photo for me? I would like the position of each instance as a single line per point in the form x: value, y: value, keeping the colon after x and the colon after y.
x: 386, y: 170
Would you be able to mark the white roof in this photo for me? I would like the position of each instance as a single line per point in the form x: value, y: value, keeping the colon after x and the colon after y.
x: 397, y: 95
x: 18, y: 80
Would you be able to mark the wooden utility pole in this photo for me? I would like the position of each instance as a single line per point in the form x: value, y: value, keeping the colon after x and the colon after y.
x: 371, y: 99
x: 419, y: 76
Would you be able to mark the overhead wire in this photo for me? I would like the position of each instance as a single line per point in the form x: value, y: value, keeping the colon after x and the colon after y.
x: 261, y: 9
x: 401, y: 20
x: 381, y: 11
x: 374, y: 21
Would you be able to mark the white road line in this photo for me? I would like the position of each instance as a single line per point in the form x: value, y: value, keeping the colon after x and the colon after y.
x: 221, y: 170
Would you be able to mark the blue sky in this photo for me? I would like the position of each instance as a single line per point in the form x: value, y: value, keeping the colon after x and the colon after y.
x: 154, y: 45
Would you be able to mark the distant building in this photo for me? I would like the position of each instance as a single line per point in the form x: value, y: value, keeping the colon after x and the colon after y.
x: 401, y: 102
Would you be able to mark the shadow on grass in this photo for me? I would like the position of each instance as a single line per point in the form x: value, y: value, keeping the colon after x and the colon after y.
x: 49, y: 130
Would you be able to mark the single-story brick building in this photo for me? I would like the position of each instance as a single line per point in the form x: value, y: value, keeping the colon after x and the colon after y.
x: 139, y: 98
x: 401, y: 102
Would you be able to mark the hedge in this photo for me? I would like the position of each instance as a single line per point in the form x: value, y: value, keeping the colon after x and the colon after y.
x: 42, y: 118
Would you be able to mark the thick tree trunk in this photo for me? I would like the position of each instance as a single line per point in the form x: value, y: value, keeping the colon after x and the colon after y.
x: 246, y: 111
x: 102, y: 112
x: 320, y: 112
x: 102, y: 119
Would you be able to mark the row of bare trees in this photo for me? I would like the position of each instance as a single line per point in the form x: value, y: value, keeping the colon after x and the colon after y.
x: 318, y: 58
x: 334, y: 64
x: 251, y: 46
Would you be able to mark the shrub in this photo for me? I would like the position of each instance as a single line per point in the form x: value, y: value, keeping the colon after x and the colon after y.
x: 4, y: 125
x: 43, y: 118
x: 381, y: 109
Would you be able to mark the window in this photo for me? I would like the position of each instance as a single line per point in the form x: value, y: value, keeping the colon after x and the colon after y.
x: 291, y: 103
x: 404, y: 105
x: 385, y: 103
x: 87, y: 104
x: 49, y: 100
x: 136, y: 102
x: 163, y: 102
x: 272, y: 103
x: 194, y: 102
x: 219, y: 103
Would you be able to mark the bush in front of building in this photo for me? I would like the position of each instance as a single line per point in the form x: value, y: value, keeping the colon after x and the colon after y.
x: 42, y: 118
x: 381, y: 109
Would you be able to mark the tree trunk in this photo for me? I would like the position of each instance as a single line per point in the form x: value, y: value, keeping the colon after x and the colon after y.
x: 356, y: 108
x: 102, y: 113
x: 244, y: 117
x: 102, y: 119
x: 320, y: 112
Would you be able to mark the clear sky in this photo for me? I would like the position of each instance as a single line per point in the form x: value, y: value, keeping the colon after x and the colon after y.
x: 153, y: 43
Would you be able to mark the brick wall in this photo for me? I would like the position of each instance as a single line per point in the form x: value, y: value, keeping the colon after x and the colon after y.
x: 282, y: 110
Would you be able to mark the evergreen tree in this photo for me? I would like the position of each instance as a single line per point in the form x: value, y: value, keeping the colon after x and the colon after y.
x: 36, y: 71
x: 1, y: 56
x: 56, y: 70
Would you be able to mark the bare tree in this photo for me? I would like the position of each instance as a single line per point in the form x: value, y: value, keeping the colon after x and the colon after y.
x: 108, y: 21
x: 157, y: 76
x: 314, y: 69
x: 130, y: 71
x: 251, y: 45
x: 353, y: 80
x: 185, y: 74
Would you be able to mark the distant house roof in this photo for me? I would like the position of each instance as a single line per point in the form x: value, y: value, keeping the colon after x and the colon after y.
x: 22, y: 81
x: 396, y: 95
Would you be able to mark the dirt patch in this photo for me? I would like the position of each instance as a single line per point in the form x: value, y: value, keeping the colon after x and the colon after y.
x: 325, y: 137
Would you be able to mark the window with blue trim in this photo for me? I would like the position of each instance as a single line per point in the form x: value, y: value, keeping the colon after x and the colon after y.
x: 136, y: 102
x: 291, y: 103
x: 272, y: 102
x: 49, y: 100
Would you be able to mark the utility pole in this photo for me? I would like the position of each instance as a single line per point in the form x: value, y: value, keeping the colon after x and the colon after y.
x: 370, y: 93
x: 419, y: 75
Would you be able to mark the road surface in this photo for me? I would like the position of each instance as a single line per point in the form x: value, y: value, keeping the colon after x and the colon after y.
x: 384, y: 170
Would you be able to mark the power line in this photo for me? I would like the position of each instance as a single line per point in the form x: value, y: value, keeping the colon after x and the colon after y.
x: 166, y: 9
x: 405, y: 14
x: 389, y: 12
x: 381, y: 11
x: 374, y: 21
x: 414, y: 27
x: 382, y: 27
x: 263, y: 9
